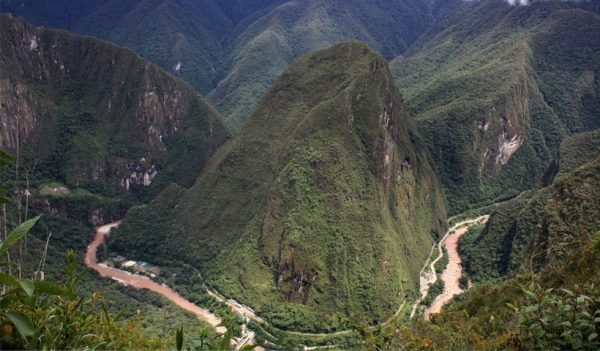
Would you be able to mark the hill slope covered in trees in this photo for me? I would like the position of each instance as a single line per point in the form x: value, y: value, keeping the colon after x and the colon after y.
x: 325, y: 202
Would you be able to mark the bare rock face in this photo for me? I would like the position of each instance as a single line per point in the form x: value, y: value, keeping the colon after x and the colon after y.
x: 93, y: 112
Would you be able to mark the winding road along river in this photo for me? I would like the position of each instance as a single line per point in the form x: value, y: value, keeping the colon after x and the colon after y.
x: 451, y: 275
x: 141, y: 282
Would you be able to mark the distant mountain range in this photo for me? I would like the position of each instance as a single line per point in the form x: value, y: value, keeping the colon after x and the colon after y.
x: 233, y: 50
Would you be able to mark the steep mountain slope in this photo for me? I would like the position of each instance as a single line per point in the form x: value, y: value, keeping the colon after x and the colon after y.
x: 96, y: 116
x: 236, y: 49
x: 88, y: 121
x: 545, y: 227
x: 183, y: 37
x: 326, y: 201
x: 263, y: 50
x: 495, y: 88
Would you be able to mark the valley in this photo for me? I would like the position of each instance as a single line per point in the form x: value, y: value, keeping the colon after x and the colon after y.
x: 300, y: 175
x: 141, y: 282
x: 453, y: 271
x: 450, y: 276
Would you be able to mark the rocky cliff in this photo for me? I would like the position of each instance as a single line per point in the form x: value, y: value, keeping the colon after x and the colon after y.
x: 543, y: 227
x: 97, y: 116
x: 495, y: 88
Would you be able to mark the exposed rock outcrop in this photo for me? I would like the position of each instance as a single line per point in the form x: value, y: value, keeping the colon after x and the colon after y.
x: 92, y: 112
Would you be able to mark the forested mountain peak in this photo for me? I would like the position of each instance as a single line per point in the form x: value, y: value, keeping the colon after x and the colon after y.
x: 305, y: 209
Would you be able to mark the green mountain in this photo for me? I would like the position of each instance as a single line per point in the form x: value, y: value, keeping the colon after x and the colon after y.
x: 183, y: 37
x: 495, y: 89
x: 236, y: 49
x: 96, y: 116
x: 325, y: 202
x: 550, y: 245
x: 93, y: 128
x: 541, y: 229
x: 260, y: 52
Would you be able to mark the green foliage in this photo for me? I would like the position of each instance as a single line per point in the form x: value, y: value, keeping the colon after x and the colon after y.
x: 260, y: 52
x: 559, y: 319
x: 16, y: 235
x: 597, y: 241
x: 443, y: 262
x: 236, y: 49
x: 540, y: 228
x: 436, y: 289
x: 43, y: 315
x: 578, y: 149
x: 101, y: 121
x: 205, y: 342
x: 491, y: 71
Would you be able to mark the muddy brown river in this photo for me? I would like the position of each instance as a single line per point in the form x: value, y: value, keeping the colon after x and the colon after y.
x: 141, y: 282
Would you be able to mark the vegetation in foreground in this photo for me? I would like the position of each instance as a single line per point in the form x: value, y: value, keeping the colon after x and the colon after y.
x: 557, y: 309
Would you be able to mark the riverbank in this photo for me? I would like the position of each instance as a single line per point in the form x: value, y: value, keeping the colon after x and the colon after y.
x: 453, y: 272
x: 140, y: 282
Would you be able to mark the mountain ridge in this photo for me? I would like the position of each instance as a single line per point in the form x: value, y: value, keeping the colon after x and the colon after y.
x: 495, y: 137
x: 328, y: 159
x: 75, y: 93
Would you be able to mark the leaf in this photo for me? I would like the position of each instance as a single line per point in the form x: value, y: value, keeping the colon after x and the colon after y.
x: 23, y: 285
x: 49, y: 288
x: 16, y: 235
x: 592, y: 336
x: 566, y: 334
x: 249, y: 347
x: 512, y: 307
x: 576, y: 343
x: 531, y: 294
x: 27, y: 286
x: 22, y: 322
x: 566, y: 324
x: 226, y: 341
x: 531, y: 308
x: 6, y: 279
x: 5, y: 159
x: 568, y: 292
x: 179, y: 339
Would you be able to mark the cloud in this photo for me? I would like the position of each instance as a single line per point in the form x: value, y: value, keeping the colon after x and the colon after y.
x: 518, y: 2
